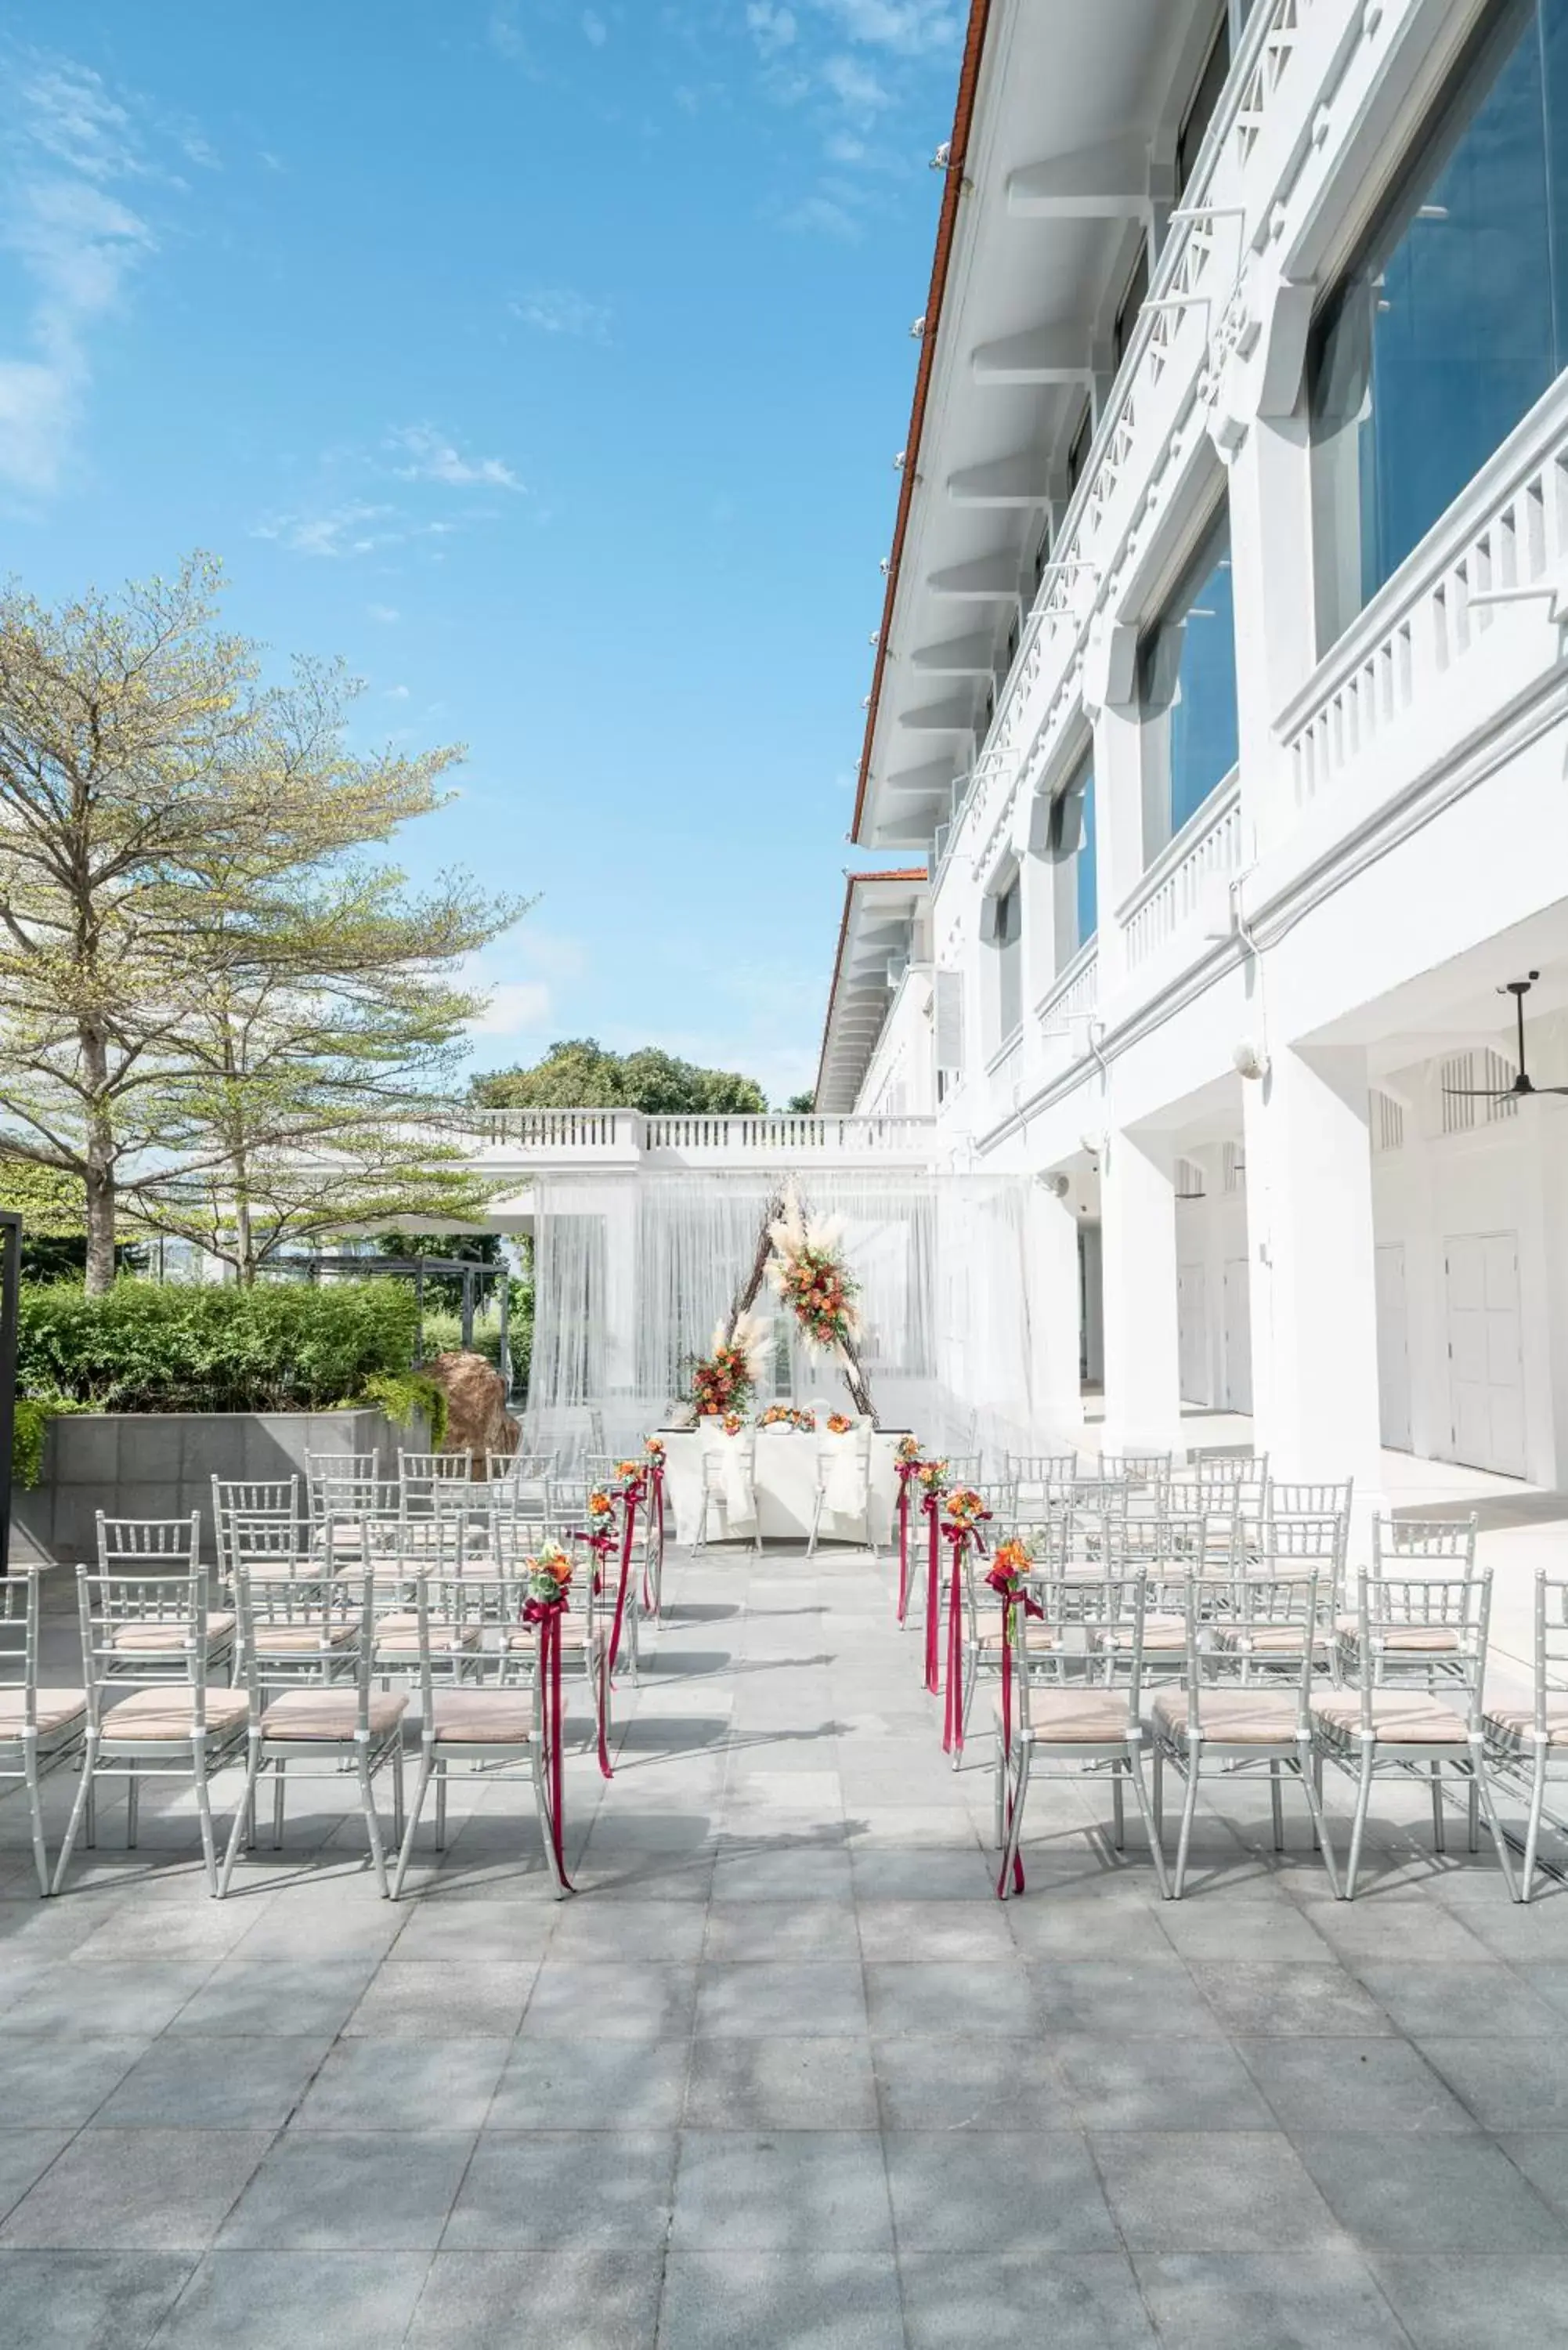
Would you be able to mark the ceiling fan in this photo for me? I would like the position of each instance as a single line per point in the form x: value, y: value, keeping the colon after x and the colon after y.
x: 1523, y: 1084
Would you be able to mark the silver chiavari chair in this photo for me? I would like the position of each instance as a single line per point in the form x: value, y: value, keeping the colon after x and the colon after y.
x: 146, y: 1614
x: 1076, y: 1703
x: 1414, y: 1704
x: 1528, y: 1745
x: 479, y: 1719
x: 40, y: 1728
x: 1243, y: 1701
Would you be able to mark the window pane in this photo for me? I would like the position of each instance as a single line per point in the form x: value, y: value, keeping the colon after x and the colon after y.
x: 1205, y: 98
x: 1186, y: 678
x: 1084, y: 876
x: 1009, y: 960
x: 1444, y: 332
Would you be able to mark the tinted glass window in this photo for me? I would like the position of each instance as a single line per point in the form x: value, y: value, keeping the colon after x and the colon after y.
x: 1450, y: 323
x: 1205, y: 98
x: 1186, y: 690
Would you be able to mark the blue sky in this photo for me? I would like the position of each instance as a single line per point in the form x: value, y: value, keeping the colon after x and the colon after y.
x: 547, y: 361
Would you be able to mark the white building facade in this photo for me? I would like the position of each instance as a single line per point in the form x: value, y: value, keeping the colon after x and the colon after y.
x: 1221, y: 688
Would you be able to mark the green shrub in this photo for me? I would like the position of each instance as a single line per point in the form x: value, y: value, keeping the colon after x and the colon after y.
x: 29, y: 1430
x: 403, y: 1394
x: 200, y: 1347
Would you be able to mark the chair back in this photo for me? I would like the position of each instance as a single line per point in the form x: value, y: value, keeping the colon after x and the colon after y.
x: 421, y: 1474
x: 357, y: 1471
x: 143, y: 1611
x: 1299, y: 1538
x: 337, y: 1608
x: 963, y: 1468
x: 1251, y: 1630
x: 1417, y: 1631
x: 1396, y: 1541
x: 257, y: 1503
x: 19, y: 1647
x: 1551, y: 1674
x: 1088, y: 1632
x: 1144, y: 1472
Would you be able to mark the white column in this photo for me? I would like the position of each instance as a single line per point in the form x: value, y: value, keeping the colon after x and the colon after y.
x: 1137, y: 1214
x: 1055, y: 1309
x: 1276, y: 627
x: 1313, y: 1268
x: 1110, y: 684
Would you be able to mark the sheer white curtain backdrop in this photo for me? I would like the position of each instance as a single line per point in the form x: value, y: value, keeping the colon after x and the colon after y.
x: 632, y: 1272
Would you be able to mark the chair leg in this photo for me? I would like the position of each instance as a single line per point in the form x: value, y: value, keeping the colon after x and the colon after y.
x: 204, y: 1813
x: 1277, y: 1806
x: 1310, y: 1769
x: 1359, y: 1828
x: 372, y: 1823
x: 277, y: 1800
x: 397, y: 1796
x: 1533, y: 1830
x: 440, y: 1807
x: 132, y: 1810
x: 1472, y: 1819
x: 1188, y: 1813
x: 1118, y: 1813
x: 36, y: 1806
x: 1158, y: 1773
x: 405, y: 1850
x: 1439, y: 1843
x: 1020, y: 1793
x: 244, y: 1827
x: 816, y: 1523
x: 78, y: 1809
x: 1140, y: 1791
x: 970, y: 1669
x: 1483, y: 1786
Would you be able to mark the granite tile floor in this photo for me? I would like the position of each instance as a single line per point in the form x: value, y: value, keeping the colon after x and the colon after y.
x: 783, y: 2072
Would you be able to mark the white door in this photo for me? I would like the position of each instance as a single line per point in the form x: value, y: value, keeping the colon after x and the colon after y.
x: 1485, y: 1381
x: 1238, y: 1337
x: 1192, y: 1334
x: 1393, y: 1347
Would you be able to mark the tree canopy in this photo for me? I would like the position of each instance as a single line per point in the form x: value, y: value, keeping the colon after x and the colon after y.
x: 579, y: 1073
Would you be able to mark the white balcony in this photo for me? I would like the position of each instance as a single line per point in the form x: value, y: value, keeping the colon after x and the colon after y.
x: 520, y: 1142
x: 1186, y: 883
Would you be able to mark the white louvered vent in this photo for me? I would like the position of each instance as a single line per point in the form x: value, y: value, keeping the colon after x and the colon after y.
x: 1233, y: 1167
x: 1188, y: 1179
x: 1387, y: 1122
x: 1497, y: 1072
x: 1459, y: 1107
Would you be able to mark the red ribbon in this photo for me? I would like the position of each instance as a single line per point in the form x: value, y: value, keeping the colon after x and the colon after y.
x: 601, y: 1546
x: 547, y: 1621
x: 633, y: 1494
x: 1007, y: 1755
x: 655, y: 1519
x: 933, y: 1603
x: 953, y: 1723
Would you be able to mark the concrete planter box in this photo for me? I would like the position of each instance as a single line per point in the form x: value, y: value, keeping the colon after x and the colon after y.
x: 160, y: 1464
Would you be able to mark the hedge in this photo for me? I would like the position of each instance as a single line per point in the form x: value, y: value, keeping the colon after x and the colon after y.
x: 202, y: 1347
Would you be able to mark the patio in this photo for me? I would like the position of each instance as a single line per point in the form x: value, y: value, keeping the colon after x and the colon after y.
x: 784, y: 2071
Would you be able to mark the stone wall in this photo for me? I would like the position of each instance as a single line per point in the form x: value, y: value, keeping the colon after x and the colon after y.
x: 160, y: 1464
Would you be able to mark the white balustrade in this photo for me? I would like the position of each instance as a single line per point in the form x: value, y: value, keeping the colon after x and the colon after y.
x: 1181, y: 883
x: 1509, y: 532
x: 628, y: 1136
x: 1074, y: 995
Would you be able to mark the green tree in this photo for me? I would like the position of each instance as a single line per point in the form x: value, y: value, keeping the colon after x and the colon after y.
x: 173, y: 847
x: 582, y: 1074
x: 801, y: 1104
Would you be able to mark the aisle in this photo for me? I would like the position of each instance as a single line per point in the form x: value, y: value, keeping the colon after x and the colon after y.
x: 784, y: 2073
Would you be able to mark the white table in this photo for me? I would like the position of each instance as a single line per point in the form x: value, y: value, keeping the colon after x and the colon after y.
x: 785, y: 1483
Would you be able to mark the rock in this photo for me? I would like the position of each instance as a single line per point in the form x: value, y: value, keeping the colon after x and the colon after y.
x: 478, y: 1421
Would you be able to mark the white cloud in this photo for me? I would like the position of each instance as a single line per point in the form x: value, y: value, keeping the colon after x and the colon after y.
x: 825, y: 215
x: 595, y: 29
x: 516, y: 1007
x: 772, y: 28
x: 557, y: 310
x: 505, y: 36
x: 854, y: 85
x: 387, y: 614
x: 77, y: 244
x: 397, y: 693
x: 434, y: 459
x: 356, y: 527
x: 910, y: 28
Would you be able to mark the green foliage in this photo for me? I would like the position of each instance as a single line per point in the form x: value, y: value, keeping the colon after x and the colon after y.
x: 801, y: 1104
x: 406, y: 1396
x: 31, y: 1427
x: 579, y: 1073
x: 52, y: 1206
x: 197, y: 1347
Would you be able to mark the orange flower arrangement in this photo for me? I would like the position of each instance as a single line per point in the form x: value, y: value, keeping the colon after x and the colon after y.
x: 839, y: 1424
x: 909, y: 1450
x: 733, y: 1423
x: 549, y: 1581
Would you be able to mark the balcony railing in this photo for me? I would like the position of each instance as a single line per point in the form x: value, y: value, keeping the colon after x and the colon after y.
x: 628, y: 1136
x: 1508, y: 532
x: 1185, y: 880
x: 1074, y: 995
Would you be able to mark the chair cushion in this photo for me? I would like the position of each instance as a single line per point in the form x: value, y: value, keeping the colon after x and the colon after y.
x: 488, y: 1717
x: 166, y: 1635
x: 1074, y: 1717
x: 1419, y: 1639
x: 56, y: 1708
x: 1399, y: 1718
x: 1238, y: 1717
x: 305, y: 1640
x: 1269, y: 1640
x: 399, y: 1639
x: 524, y: 1638
x: 1510, y: 1725
x: 156, y: 1715
x: 330, y: 1715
